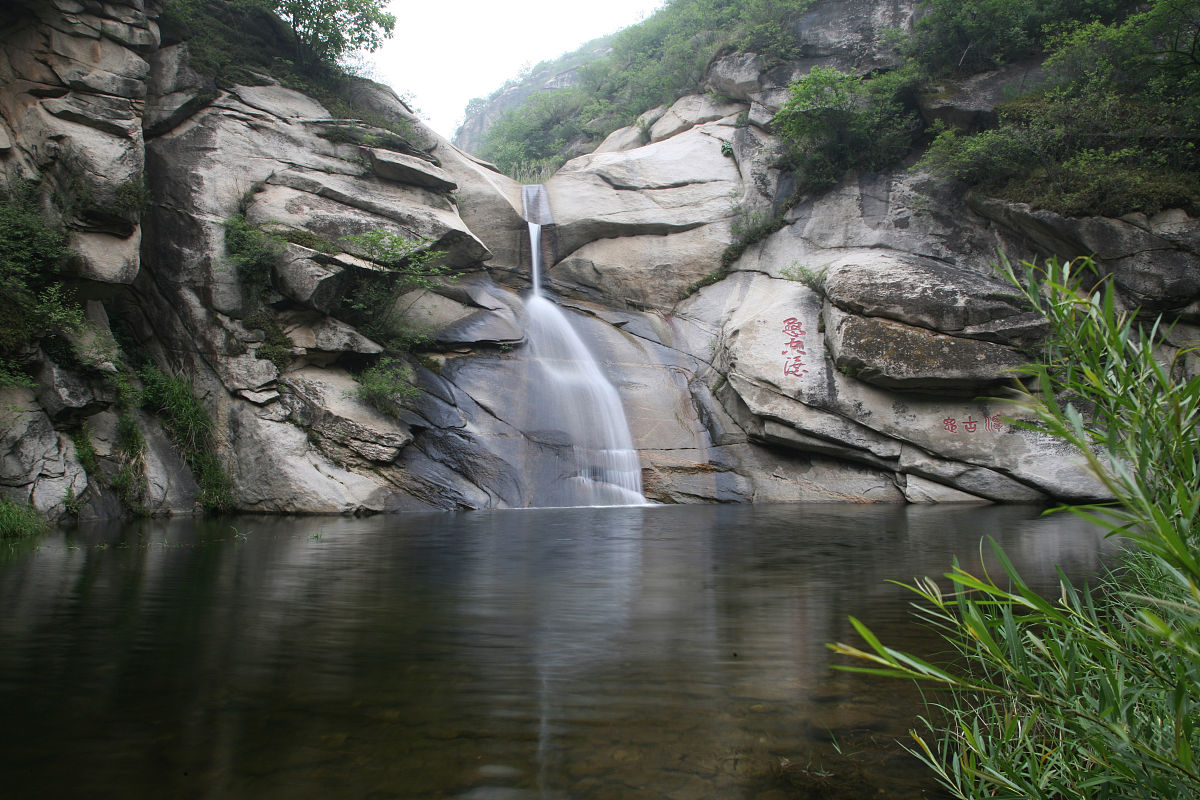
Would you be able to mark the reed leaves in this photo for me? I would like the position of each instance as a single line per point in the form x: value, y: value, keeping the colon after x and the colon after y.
x: 1094, y: 693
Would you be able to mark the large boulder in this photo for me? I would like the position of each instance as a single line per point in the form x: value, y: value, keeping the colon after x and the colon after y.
x: 670, y: 186
x: 643, y: 271
x: 893, y: 355
x: 930, y: 294
x: 38, y: 465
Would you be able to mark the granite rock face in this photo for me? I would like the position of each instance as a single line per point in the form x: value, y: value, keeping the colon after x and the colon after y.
x: 838, y: 359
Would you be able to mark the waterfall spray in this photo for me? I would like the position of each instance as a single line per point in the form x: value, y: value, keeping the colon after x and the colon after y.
x: 574, y: 397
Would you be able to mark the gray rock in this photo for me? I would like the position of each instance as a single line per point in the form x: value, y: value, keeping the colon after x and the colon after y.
x: 667, y: 187
x: 689, y: 111
x: 308, y: 278
x: 647, y: 271
x: 174, y: 91
x: 338, y: 198
x: 921, y: 490
x: 736, y: 76
x: 105, y: 258
x: 318, y: 334
x: 392, y: 166
x: 967, y: 478
x: 893, y: 355
x: 970, y: 104
x: 1156, y: 269
x: 277, y: 469
x: 925, y: 293
x: 65, y: 395
x: 324, y: 401
x: 37, y: 463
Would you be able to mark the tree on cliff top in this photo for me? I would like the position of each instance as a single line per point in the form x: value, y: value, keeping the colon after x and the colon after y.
x: 329, y: 30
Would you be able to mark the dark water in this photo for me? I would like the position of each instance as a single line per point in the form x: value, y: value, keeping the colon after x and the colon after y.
x: 661, y: 652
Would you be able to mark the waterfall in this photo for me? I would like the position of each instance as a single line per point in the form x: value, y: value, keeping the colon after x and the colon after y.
x: 598, y: 465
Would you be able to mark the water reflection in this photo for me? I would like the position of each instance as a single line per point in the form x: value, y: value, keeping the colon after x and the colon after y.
x: 592, y: 653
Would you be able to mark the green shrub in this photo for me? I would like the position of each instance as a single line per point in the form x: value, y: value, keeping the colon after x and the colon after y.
x: 171, y: 399
x: 812, y: 278
x: 253, y: 253
x: 371, y: 303
x: 19, y: 520
x: 85, y: 451
x: 387, y: 385
x: 310, y: 240
x: 132, y: 197
x: 1094, y: 693
x: 834, y: 122
x: 32, y: 256
x: 748, y: 228
x: 276, y: 346
x: 1116, y: 131
x: 130, y: 480
x: 963, y: 37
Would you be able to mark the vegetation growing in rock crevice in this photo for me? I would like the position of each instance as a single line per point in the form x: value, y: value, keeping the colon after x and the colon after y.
x: 171, y: 399
x: 836, y: 122
x: 409, y: 265
x: 1095, y: 693
x: 35, y: 306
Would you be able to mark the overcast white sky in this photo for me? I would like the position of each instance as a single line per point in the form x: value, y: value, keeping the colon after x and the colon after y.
x: 444, y: 55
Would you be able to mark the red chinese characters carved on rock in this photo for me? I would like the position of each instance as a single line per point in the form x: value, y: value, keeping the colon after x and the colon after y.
x: 991, y: 424
x: 793, y: 348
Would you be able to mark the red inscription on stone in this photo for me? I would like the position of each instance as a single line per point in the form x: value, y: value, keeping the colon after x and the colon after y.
x: 971, y: 425
x: 793, y: 348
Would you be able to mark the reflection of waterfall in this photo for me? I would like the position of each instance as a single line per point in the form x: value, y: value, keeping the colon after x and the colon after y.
x: 573, y: 399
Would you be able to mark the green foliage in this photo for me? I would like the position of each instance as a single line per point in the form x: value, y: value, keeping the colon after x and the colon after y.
x: 13, y: 376
x: 71, y: 503
x: 276, y: 346
x: 310, y: 240
x: 1095, y: 693
x: 330, y: 30
x: 649, y: 64
x: 834, y: 122
x: 130, y: 480
x: 962, y: 37
x: 253, y: 253
x: 33, y: 301
x: 411, y: 258
x: 1117, y: 131
x: 172, y: 400
x: 715, y: 276
x: 812, y: 278
x: 85, y: 451
x: 387, y: 385
x: 132, y: 197
x: 19, y: 520
x: 371, y: 304
x: 748, y: 228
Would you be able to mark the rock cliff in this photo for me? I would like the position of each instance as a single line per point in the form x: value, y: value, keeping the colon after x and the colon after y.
x: 838, y: 359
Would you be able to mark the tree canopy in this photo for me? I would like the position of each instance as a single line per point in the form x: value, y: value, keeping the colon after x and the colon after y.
x: 330, y: 30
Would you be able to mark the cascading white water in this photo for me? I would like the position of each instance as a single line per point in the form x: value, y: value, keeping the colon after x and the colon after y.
x: 599, y: 465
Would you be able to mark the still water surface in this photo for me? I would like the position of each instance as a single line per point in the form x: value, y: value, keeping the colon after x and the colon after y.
x: 649, y: 652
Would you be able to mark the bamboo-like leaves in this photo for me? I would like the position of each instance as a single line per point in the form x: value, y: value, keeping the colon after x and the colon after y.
x: 1094, y: 693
